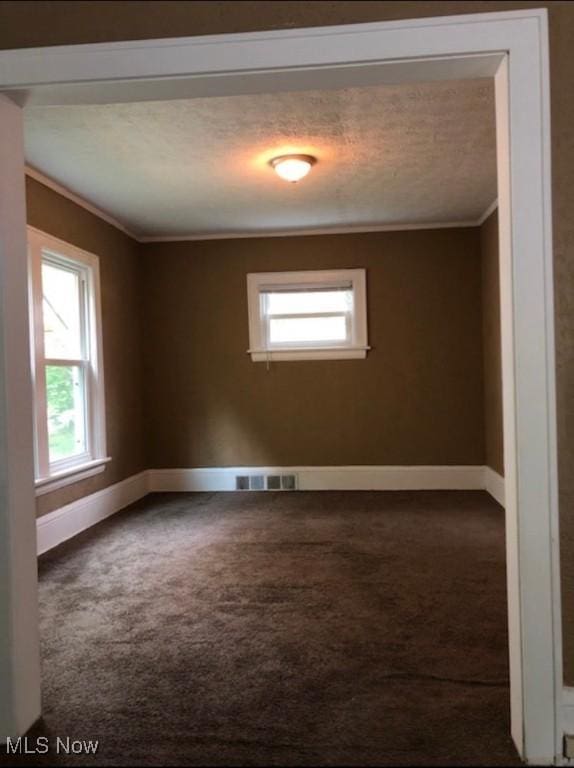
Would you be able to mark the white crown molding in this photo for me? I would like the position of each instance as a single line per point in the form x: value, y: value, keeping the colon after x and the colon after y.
x: 55, y: 186
x: 348, y: 230
x: 311, y: 231
x: 490, y: 210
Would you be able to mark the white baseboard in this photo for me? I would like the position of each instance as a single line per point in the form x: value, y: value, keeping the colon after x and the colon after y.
x: 494, y: 484
x: 325, y: 478
x: 65, y: 522
x: 68, y: 521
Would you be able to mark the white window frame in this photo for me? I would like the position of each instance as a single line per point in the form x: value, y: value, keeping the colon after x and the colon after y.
x: 260, y: 283
x: 52, y: 475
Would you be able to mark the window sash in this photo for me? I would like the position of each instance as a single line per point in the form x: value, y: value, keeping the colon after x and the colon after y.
x: 49, y: 256
x: 261, y: 285
x: 81, y: 361
x: 268, y: 315
x: 304, y: 315
x: 82, y: 273
x: 308, y: 287
x: 58, y: 465
x: 311, y: 342
x: 45, y: 249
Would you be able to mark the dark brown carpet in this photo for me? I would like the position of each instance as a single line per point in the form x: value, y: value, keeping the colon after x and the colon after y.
x: 292, y: 629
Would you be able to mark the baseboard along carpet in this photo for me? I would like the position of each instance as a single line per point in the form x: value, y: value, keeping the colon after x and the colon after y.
x: 333, y: 628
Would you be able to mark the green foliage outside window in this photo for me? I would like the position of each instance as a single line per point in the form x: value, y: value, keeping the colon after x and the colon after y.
x: 60, y: 396
x: 59, y: 389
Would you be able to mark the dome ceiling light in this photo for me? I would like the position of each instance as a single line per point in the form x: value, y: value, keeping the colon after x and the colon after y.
x: 292, y: 167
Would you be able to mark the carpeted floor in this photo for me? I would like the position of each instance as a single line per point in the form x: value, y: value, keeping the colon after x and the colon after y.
x: 281, y: 629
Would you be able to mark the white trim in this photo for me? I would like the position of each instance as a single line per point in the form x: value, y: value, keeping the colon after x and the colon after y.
x: 315, y: 353
x: 349, y: 478
x: 68, y: 521
x: 70, y: 476
x: 515, y: 619
x: 55, y: 186
x: 92, y: 361
x: 334, y: 230
x: 522, y: 89
x: 446, y: 48
x: 548, y: 313
x: 75, y: 251
x: 494, y: 484
x: 488, y: 212
x: 20, y: 700
x: 356, y: 345
x: 251, y: 62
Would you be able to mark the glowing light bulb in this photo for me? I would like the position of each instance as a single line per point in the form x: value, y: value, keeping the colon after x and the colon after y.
x: 293, y: 167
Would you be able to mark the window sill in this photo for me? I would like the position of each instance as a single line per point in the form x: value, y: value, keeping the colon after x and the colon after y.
x: 70, y: 476
x: 317, y: 353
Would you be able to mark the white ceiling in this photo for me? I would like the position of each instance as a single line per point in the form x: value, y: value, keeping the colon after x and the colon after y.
x: 420, y: 153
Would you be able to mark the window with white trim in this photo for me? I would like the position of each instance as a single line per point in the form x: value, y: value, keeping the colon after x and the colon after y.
x: 308, y: 315
x: 70, y: 440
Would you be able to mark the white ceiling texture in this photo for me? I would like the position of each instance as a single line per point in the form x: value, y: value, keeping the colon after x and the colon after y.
x: 387, y: 155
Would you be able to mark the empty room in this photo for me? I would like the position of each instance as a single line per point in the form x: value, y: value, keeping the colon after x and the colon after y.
x: 287, y: 369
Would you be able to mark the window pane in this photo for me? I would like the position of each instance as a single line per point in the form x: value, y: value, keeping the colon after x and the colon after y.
x: 307, y: 330
x: 66, y: 411
x: 308, y: 302
x: 61, y: 312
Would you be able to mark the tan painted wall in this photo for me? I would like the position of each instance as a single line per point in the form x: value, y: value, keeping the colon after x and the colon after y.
x: 416, y: 399
x: 493, y: 426
x: 73, y: 21
x: 119, y: 275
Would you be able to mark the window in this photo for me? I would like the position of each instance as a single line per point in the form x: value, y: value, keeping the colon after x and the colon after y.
x: 66, y: 362
x: 307, y: 315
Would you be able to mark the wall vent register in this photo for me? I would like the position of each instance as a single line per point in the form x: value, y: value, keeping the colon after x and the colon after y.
x: 266, y: 482
x: 309, y: 315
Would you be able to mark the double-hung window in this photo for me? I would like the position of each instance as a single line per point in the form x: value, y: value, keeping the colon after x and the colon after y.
x: 309, y: 315
x: 66, y: 362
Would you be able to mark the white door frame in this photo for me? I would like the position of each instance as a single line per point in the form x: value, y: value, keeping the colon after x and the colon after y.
x: 511, y: 46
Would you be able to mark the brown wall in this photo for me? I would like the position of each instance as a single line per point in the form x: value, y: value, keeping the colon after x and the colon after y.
x: 416, y: 399
x: 493, y: 430
x: 119, y: 275
x: 73, y: 21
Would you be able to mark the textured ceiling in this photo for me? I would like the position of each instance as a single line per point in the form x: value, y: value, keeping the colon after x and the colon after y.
x: 386, y: 155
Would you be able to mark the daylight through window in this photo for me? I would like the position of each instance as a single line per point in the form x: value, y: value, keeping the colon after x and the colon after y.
x: 66, y: 357
x: 307, y: 315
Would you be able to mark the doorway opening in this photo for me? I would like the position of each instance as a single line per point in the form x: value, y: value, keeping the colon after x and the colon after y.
x: 454, y: 48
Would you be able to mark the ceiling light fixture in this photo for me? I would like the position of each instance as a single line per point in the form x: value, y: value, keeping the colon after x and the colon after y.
x: 293, y: 167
